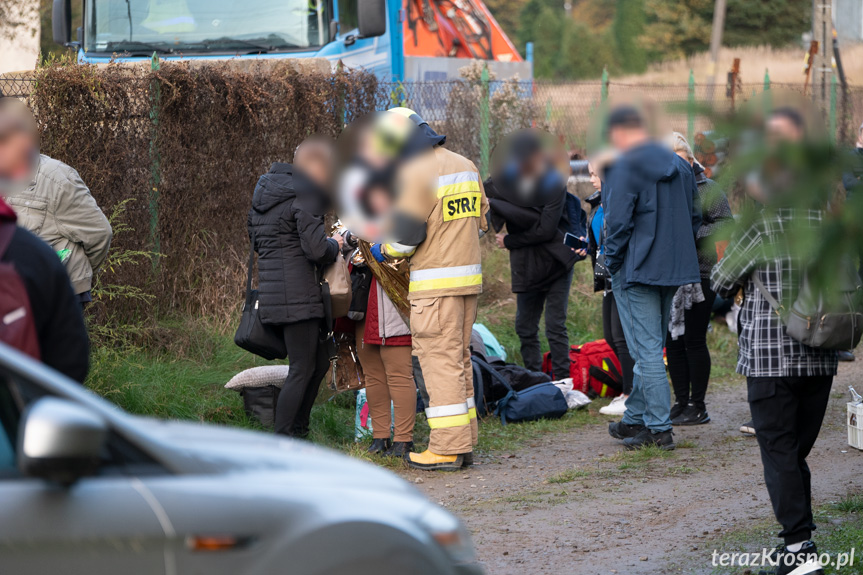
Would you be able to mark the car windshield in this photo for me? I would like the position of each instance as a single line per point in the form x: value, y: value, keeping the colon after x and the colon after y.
x: 168, y: 26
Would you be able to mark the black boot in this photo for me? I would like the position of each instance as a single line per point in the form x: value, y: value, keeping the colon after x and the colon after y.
x: 620, y: 430
x: 467, y: 460
x: 645, y: 437
x: 379, y: 446
x: 400, y: 449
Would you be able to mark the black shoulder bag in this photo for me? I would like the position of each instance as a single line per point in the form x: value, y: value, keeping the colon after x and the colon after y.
x: 254, y: 336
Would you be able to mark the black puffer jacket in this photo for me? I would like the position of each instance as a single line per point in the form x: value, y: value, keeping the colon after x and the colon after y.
x: 537, y: 254
x: 287, y: 222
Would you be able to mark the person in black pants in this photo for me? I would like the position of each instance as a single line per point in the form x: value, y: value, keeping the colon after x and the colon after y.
x: 541, y: 267
x: 287, y: 226
x: 687, y: 353
x: 788, y: 382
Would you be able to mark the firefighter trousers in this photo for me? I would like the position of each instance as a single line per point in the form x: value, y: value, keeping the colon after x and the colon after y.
x: 441, y: 329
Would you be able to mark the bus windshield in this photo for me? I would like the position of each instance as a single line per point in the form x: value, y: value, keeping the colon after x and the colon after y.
x: 169, y: 26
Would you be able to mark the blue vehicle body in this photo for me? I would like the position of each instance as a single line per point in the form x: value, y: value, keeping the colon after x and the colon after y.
x: 201, y: 30
x: 382, y: 54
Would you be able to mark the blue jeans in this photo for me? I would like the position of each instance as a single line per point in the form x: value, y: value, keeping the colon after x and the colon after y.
x: 644, y: 313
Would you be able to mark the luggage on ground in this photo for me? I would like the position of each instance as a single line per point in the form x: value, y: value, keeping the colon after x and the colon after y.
x: 595, y: 369
x: 541, y: 401
x: 493, y: 348
x: 260, y: 387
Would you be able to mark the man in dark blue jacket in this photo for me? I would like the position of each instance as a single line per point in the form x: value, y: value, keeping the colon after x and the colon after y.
x: 651, y: 216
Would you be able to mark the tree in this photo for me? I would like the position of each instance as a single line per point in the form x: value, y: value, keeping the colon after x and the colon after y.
x: 508, y: 15
x: 628, y: 27
x: 18, y: 17
x: 677, y: 28
x: 564, y: 48
x: 773, y: 22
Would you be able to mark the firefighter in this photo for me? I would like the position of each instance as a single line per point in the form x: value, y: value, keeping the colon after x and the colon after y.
x: 439, y: 217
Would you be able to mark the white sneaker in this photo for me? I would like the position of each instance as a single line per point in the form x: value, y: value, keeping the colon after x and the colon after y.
x: 616, y: 407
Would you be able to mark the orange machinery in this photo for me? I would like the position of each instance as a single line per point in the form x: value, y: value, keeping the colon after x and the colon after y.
x: 455, y: 29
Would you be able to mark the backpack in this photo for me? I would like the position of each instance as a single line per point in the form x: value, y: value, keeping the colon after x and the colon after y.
x: 17, y: 328
x: 823, y: 320
x: 594, y: 369
x: 541, y: 401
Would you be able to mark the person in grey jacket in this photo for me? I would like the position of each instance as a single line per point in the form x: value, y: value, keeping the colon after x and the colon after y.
x: 52, y: 201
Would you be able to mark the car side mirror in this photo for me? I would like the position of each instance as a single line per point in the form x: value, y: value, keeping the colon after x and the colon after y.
x: 372, y: 18
x: 60, y: 441
x: 61, y: 21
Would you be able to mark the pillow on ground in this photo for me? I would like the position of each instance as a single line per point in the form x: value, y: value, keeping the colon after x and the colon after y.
x: 259, y: 377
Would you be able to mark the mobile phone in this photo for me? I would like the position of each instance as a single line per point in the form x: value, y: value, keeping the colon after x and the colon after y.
x: 574, y: 242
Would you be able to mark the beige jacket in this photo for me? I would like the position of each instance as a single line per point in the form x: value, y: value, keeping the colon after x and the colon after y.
x: 58, y: 207
x: 444, y: 190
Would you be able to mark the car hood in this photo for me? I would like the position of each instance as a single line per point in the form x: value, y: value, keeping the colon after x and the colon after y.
x: 189, y: 448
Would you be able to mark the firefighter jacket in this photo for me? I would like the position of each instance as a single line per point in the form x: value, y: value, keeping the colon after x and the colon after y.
x: 440, y: 215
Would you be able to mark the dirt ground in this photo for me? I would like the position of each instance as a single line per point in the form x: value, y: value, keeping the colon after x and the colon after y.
x: 617, y: 512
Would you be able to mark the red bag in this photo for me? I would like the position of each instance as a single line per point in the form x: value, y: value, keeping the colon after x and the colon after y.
x: 16, y: 318
x: 594, y: 369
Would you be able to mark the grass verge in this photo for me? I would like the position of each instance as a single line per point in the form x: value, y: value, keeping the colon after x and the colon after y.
x: 181, y: 372
x: 840, y: 529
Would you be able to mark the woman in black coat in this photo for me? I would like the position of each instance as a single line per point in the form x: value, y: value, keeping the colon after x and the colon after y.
x: 286, y: 224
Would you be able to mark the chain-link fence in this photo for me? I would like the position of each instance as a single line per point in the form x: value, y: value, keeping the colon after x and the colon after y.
x: 476, y: 114
x: 187, y: 146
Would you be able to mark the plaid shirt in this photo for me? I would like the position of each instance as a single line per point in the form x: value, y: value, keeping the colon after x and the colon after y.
x: 765, y: 348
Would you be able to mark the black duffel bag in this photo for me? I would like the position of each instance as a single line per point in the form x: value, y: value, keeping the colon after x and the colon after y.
x: 264, y: 340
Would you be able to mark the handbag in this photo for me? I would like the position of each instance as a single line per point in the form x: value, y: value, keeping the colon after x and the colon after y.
x: 338, y: 280
x: 254, y: 336
x: 346, y: 373
x: 825, y: 319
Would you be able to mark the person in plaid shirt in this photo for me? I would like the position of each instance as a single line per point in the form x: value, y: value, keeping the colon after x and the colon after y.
x: 788, y: 382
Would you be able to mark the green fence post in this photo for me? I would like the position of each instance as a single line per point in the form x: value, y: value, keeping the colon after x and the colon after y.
x: 833, y: 82
x: 548, y: 112
x: 155, y: 169
x: 690, y: 108
x: 768, y: 100
x: 483, y: 124
x: 604, y: 91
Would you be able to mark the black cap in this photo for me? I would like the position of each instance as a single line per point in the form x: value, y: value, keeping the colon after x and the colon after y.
x: 624, y: 117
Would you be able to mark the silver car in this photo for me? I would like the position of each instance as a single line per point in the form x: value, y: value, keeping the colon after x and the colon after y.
x: 88, y: 489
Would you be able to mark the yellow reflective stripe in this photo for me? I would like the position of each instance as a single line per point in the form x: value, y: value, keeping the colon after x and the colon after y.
x: 472, y: 412
x: 399, y: 250
x: 444, y: 283
x: 449, y: 421
x: 458, y: 188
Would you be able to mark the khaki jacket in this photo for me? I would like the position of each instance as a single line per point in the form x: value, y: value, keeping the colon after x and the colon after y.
x: 58, y: 207
x: 444, y: 190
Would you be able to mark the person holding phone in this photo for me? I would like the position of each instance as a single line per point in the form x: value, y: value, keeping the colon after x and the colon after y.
x: 541, y: 263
